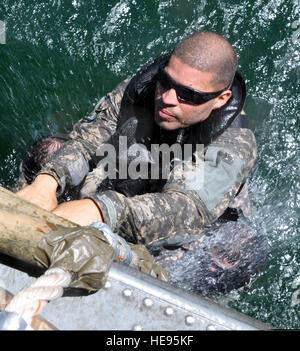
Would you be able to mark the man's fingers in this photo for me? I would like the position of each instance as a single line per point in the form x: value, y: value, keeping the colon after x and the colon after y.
x: 42, y: 192
x: 46, y: 201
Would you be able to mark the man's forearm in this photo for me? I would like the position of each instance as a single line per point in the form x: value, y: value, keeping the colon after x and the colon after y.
x: 83, y: 212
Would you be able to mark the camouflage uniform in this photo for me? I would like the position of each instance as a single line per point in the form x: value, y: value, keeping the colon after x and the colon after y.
x: 178, y: 207
x: 191, y: 199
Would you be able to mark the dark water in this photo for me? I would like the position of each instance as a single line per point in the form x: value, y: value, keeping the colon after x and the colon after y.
x: 60, y: 57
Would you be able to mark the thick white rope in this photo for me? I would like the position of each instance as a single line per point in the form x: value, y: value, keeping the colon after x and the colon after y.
x: 31, y: 300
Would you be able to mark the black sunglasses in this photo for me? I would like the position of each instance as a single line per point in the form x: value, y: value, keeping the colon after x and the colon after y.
x: 185, y: 94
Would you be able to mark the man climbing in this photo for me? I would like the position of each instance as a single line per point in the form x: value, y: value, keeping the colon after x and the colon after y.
x: 193, y: 96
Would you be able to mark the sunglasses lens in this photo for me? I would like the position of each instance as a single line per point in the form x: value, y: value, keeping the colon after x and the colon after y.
x: 183, y: 93
x: 189, y: 96
x: 166, y: 83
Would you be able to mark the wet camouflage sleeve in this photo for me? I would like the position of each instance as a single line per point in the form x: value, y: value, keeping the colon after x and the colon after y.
x: 194, y: 196
x: 69, y: 165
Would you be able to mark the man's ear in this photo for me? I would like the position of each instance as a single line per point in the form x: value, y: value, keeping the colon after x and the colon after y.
x: 222, y: 99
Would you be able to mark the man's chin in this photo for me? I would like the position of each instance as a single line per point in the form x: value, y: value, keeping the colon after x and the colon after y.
x: 168, y: 125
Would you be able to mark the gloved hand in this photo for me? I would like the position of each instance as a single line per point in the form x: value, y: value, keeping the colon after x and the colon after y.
x: 146, y: 264
x: 87, y: 254
x: 83, y: 251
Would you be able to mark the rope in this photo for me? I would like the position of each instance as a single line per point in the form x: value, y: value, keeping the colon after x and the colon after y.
x: 31, y: 300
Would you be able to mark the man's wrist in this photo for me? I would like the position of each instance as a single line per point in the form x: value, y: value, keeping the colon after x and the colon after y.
x: 44, y: 178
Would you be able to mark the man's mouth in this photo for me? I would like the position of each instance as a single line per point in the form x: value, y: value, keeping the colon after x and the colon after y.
x: 165, y: 114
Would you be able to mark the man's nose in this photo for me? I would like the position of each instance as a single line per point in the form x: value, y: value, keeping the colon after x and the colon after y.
x: 169, y: 97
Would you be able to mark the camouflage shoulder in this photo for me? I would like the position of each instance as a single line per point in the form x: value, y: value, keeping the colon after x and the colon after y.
x: 240, y: 141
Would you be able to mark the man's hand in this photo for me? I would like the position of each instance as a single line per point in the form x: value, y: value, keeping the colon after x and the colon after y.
x: 42, y: 192
x: 83, y: 212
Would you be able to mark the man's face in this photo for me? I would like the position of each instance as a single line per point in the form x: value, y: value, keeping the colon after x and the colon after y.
x: 170, y: 113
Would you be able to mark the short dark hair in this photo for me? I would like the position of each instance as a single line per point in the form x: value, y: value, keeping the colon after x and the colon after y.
x: 209, y: 52
x: 38, y: 154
